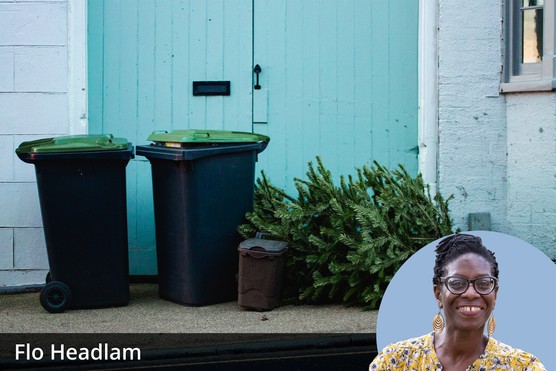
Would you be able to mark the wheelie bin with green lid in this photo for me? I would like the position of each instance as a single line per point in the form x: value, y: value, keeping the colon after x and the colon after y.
x: 203, y: 183
x: 81, y: 181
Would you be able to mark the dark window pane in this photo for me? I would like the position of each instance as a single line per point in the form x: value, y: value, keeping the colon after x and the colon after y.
x: 526, y: 3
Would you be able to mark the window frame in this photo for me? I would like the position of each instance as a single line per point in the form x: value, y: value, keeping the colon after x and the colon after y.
x: 533, y: 77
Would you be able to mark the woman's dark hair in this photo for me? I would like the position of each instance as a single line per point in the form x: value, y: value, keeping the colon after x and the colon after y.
x: 452, y: 247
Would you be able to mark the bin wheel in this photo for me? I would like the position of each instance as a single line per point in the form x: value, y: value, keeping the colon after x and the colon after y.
x: 48, y: 278
x: 55, y: 297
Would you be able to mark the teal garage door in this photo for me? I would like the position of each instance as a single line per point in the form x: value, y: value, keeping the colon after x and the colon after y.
x: 338, y: 79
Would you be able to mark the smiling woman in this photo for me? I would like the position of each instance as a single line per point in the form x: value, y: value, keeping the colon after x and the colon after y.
x: 465, y: 286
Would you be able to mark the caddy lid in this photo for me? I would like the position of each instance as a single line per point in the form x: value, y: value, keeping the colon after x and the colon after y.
x: 270, y: 246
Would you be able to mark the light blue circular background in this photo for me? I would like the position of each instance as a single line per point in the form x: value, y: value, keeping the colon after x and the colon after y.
x: 525, y: 307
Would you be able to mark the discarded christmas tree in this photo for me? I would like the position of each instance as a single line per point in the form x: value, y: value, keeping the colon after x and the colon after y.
x: 346, y: 242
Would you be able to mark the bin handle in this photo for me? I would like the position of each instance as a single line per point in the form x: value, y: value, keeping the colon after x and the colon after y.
x: 258, y: 254
x: 107, y: 139
x: 160, y: 132
x: 201, y: 135
x: 262, y: 235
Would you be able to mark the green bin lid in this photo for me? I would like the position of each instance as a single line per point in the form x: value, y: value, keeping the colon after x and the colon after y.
x: 206, y: 136
x: 74, y: 143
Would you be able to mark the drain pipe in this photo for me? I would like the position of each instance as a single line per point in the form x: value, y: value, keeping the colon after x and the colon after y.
x: 428, y: 92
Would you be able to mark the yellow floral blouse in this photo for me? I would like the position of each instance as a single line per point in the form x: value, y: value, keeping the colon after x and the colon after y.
x: 418, y: 354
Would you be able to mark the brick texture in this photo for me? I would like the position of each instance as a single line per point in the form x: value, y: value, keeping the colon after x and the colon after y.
x: 497, y: 153
x: 34, y: 70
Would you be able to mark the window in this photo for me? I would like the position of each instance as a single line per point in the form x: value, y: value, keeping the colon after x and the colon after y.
x: 529, y: 46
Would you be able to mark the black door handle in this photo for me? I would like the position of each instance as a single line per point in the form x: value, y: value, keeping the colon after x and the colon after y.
x: 257, y: 70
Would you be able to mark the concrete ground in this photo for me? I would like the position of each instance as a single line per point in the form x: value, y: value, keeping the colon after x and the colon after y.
x: 147, y: 313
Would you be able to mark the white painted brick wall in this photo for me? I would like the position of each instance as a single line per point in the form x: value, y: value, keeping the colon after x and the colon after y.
x: 492, y: 154
x: 6, y: 248
x: 34, y: 104
x: 31, y: 253
x: 472, y: 132
x: 30, y: 63
x: 6, y: 158
x: 532, y: 167
x: 20, y: 205
x: 6, y: 68
x: 34, y: 23
x: 34, y: 113
x: 22, y: 277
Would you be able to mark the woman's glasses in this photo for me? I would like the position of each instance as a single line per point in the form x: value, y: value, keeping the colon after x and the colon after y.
x: 458, y: 285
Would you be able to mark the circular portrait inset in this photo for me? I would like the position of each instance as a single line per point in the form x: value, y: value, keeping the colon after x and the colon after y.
x: 477, y: 298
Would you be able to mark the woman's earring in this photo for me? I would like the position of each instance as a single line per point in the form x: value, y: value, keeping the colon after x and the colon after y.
x: 438, y: 323
x: 491, y: 326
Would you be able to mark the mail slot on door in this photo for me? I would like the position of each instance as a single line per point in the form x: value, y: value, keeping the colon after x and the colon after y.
x: 204, y: 88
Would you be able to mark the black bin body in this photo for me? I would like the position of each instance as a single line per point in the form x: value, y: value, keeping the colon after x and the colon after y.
x: 201, y: 195
x: 83, y: 205
x: 261, y: 272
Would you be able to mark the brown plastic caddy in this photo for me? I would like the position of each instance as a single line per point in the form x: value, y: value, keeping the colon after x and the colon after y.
x: 261, y: 271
